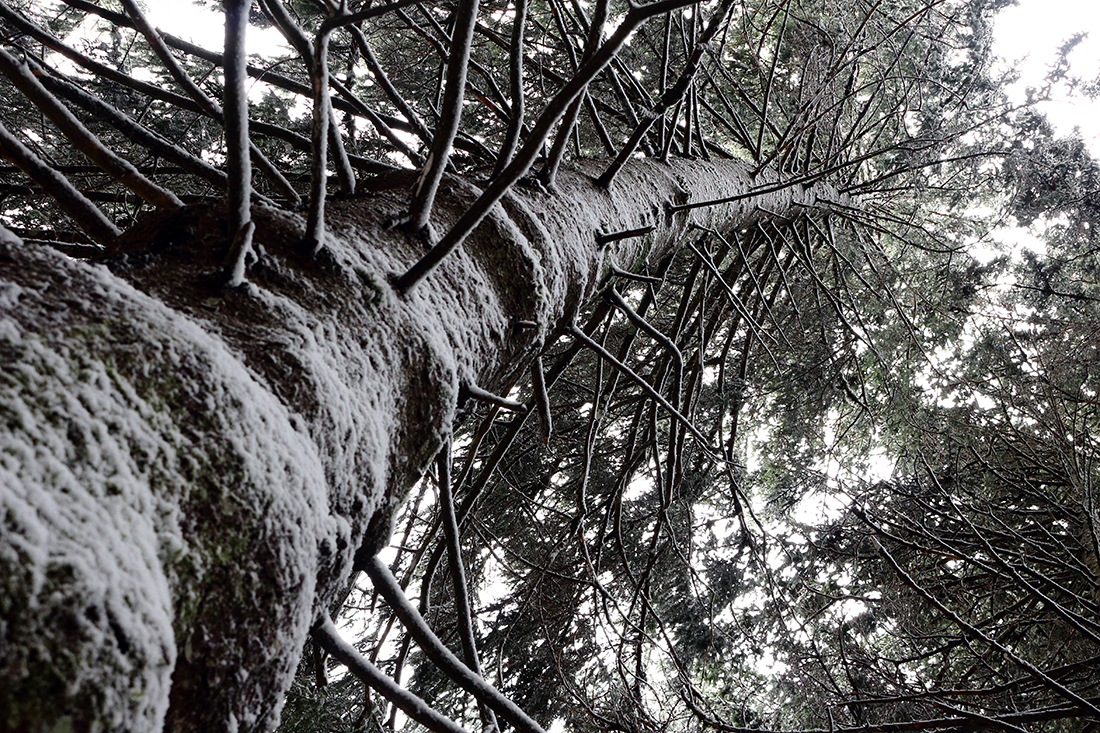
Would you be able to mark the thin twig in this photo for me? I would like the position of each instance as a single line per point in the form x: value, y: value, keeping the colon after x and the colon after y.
x: 542, y: 400
x: 477, y: 393
x: 458, y: 574
x: 704, y: 444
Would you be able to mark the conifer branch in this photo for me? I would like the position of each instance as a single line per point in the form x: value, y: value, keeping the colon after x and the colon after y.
x: 527, y: 153
x: 972, y: 631
x: 383, y: 81
x: 515, y: 80
x: 314, y: 239
x: 237, y: 163
x: 423, y: 195
x: 673, y: 95
x: 604, y: 239
x: 139, y: 133
x: 477, y: 393
x: 542, y: 400
x: 208, y: 105
x: 613, y: 295
x: 458, y: 575
x: 646, y: 387
x: 569, y: 120
x: 617, y: 271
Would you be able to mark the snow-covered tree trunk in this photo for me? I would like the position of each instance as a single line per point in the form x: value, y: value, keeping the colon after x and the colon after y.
x: 188, y: 472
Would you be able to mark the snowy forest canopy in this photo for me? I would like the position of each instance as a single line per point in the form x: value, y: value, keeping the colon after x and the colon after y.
x: 546, y: 364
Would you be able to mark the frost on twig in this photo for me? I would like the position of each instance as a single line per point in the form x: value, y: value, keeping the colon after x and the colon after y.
x: 75, y: 204
x: 626, y: 234
x: 318, y: 173
x: 19, y: 74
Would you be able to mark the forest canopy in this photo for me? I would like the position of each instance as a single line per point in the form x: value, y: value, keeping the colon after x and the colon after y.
x: 578, y: 365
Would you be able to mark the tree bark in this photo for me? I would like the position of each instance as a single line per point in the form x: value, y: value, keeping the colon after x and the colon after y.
x: 188, y: 474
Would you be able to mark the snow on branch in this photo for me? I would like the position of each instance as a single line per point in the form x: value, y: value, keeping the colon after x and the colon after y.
x: 19, y: 74
x: 86, y: 214
x: 482, y: 395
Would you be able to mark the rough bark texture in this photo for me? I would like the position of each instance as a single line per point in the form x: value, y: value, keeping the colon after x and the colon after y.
x: 187, y: 473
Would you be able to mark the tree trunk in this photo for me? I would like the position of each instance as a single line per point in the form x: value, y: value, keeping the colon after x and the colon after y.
x: 187, y: 473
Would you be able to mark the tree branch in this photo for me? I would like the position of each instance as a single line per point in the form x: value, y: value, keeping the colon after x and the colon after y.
x: 19, y: 73
x: 87, y: 215
x: 326, y: 635
x: 423, y: 195
x: 442, y: 657
x: 458, y: 575
x: 528, y: 152
x: 237, y: 163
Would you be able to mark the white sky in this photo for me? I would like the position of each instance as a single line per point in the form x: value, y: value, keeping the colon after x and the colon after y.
x: 203, y: 26
x: 1028, y: 37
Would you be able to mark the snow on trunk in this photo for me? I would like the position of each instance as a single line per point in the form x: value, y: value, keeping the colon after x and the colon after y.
x: 187, y: 473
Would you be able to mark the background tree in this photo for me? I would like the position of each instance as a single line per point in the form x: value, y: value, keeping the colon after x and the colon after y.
x: 652, y: 269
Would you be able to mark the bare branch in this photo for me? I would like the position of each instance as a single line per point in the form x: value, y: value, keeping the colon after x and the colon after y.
x: 19, y: 73
x: 515, y: 79
x: 423, y: 195
x: 458, y: 574
x: 238, y: 166
x: 208, y: 105
x: 318, y: 172
x: 528, y: 152
x: 542, y: 400
x: 326, y: 635
x: 137, y: 132
x: 447, y: 662
x: 647, y: 388
x: 482, y: 395
x: 82, y: 211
